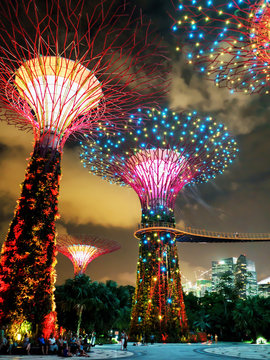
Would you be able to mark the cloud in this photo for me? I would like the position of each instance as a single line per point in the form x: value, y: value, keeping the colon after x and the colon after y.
x: 122, y: 278
x: 61, y: 229
x: 241, y: 113
x: 83, y: 197
x: 189, y: 272
x: 87, y: 198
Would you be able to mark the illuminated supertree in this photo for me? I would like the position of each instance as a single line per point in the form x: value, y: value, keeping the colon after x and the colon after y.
x: 157, y: 160
x: 81, y: 250
x: 65, y: 68
x: 230, y: 42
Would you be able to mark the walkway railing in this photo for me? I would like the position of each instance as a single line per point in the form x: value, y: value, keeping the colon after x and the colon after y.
x: 156, y: 224
x: 230, y: 235
x: 206, y: 233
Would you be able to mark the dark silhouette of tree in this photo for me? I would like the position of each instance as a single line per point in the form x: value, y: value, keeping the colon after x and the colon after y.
x: 76, y: 295
x: 98, y: 306
x: 252, y: 317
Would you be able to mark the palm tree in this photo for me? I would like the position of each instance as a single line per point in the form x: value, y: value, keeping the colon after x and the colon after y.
x: 78, y: 294
x: 124, y: 294
x: 252, y: 317
x: 203, y: 323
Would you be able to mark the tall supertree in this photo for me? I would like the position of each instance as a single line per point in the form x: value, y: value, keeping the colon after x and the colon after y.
x: 228, y: 41
x: 81, y: 250
x: 65, y: 68
x: 157, y: 160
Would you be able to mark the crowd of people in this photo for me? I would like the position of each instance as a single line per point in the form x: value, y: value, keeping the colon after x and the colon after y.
x: 65, y: 345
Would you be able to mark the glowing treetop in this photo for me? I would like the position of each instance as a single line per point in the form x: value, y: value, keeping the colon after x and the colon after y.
x: 83, y: 249
x: 69, y: 67
x: 227, y: 40
x: 159, y: 157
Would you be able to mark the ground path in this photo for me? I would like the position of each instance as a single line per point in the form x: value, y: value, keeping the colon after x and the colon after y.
x: 220, y: 351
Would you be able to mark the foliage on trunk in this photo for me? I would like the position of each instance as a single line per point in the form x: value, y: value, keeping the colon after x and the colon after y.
x: 28, y: 255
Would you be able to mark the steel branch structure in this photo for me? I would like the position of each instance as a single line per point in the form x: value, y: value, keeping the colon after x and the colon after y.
x: 229, y: 41
x: 157, y: 160
x: 66, y: 68
x: 81, y: 250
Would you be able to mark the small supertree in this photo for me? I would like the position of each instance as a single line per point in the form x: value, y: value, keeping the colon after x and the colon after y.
x: 65, y: 68
x: 229, y: 41
x: 157, y: 160
x: 81, y: 250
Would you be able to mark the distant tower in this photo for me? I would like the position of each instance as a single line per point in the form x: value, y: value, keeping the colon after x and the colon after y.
x: 246, y: 277
x: 81, y: 250
x: 264, y: 287
x: 239, y: 273
x: 223, y: 270
x: 157, y: 160
x: 65, y: 68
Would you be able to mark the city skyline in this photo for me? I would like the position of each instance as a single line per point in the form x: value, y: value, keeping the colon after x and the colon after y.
x: 236, y: 201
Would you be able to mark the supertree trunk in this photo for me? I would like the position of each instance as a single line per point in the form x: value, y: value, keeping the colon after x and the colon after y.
x: 29, y: 254
x: 158, y: 306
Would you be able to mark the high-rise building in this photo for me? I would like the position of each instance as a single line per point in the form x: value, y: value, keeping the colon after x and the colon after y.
x: 239, y: 272
x: 264, y: 287
x: 223, y: 271
x: 246, y: 277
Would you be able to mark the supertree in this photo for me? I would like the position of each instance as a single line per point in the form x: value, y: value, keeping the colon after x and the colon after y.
x: 229, y: 41
x: 81, y: 250
x: 65, y: 68
x: 157, y: 160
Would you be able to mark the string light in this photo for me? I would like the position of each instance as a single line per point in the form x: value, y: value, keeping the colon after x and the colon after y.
x: 56, y: 79
x: 234, y: 47
x: 181, y: 149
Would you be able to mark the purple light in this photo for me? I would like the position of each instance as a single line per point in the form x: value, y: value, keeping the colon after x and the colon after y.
x: 157, y: 176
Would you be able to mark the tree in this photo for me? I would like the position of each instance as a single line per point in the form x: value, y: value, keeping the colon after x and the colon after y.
x: 77, y: 294
x: 252, y: 317
x: 99, y: 306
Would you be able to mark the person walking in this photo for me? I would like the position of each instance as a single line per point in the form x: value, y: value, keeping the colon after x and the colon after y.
x: 125, y: 341
x: 122, y: 339
x: 26, y: 344
x: 93, y: 338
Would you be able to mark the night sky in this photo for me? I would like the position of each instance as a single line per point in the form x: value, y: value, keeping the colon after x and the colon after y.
x: 237, y: 201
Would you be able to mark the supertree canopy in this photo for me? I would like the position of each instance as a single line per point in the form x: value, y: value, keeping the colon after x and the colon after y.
x: 157, y: 160
x: 81, y: 250
x: 65, y: 68
x: 229, y: 41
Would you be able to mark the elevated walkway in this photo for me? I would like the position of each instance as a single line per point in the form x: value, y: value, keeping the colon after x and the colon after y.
x: 193, y: 235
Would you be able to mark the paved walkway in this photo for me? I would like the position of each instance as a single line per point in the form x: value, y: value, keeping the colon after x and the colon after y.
x: 220, y: 351
x: 242, y: 351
